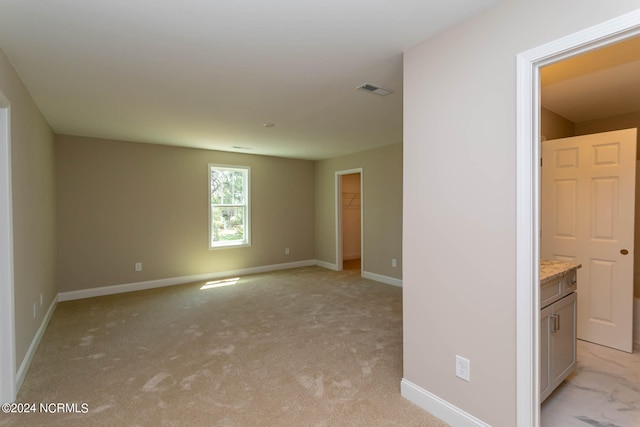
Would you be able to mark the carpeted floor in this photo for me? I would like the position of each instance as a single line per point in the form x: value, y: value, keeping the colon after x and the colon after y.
x: 300, y: 347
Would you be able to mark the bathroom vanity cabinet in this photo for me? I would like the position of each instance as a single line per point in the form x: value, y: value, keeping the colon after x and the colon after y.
x: 558, y: 310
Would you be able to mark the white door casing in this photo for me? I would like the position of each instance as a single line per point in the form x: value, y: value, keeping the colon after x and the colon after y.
x: 7, y: 322
x: 587, y: 216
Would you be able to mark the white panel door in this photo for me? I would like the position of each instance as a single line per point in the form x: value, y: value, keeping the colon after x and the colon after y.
x: 587, y: 216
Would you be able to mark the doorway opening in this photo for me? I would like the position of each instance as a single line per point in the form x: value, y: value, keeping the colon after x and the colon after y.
x: 7, y: 322
x: 583, y: 98
x: 586, y: 100
x: 349, y: 224
x: 528, y: 194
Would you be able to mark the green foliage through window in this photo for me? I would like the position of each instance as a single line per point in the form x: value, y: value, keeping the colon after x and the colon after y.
x: 229, y: 214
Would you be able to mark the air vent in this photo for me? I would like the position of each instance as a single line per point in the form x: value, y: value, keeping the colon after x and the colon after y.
x: 368, y: 87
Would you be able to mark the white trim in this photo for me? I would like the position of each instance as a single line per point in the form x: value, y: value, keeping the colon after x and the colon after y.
x: 8, y: 390
x: 338, y: 199
x: 172, y: 281
x: 31, y: 352
x: 528, y: 194
x: 326, y: 265
x: 438, y: 407
x: 527, y: 396
x: 384, y: 279
x: 152, y: 284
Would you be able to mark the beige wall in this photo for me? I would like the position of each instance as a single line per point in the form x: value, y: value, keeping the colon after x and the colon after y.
x: 33, y: 208
x: 122, y: 202
x: 381, y: 204
x: 554, y: 126
x: 460, y: 198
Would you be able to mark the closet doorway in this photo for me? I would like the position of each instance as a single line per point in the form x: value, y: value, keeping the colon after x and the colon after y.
x: 349, y: 215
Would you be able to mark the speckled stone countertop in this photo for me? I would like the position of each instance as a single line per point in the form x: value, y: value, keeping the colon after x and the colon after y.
x: 550, y: 270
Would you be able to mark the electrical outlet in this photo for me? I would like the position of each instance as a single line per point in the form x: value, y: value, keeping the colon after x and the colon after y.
x: 394, y: 264
x: 34, y: 310
x: 138, y: 266
x: 286, y: 251
x: 41, y: 300
x: 463, y: 368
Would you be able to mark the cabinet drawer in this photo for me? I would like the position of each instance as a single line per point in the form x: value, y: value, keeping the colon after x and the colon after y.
x: 551, y: 291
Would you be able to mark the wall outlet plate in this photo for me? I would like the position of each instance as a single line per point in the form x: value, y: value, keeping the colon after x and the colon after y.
x: 463, y: 368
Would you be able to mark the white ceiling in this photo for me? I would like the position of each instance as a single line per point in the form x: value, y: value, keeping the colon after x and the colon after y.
x: 210, y: 73
x: 594, y: 85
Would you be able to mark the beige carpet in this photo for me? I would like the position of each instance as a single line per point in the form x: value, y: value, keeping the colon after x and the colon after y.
x: 300, y: 347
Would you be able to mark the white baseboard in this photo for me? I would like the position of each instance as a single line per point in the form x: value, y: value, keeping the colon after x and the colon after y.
x: 326, y: 265
x: 28, y: 358
x: 151, y: 284
x: 438, y: 407
x: 384, y: 279
x: 367, y: 275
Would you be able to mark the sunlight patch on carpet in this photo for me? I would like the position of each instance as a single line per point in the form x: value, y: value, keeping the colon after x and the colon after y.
x: 220, y: 283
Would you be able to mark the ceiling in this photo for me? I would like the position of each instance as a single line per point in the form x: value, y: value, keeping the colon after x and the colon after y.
x: 211, y: 73
x: 597, y: 84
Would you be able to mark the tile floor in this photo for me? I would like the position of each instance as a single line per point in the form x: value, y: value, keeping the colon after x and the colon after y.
x: 604, y: 391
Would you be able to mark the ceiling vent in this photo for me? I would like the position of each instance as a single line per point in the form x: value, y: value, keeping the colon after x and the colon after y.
x: 367, y: 87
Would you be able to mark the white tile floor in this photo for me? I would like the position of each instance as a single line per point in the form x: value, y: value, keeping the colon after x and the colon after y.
x: 604, y: 391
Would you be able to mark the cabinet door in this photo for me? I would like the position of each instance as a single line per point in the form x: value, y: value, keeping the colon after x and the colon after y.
x: 563, y: 341
x: 545, y: 354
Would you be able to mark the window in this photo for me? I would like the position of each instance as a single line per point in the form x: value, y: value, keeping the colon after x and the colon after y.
x: 229, y: 206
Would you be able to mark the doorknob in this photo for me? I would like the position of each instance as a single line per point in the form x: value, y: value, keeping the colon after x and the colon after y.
x: 624, y: 251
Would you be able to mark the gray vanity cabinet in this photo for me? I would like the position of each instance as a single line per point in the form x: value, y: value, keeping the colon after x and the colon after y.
x: 558, y: 334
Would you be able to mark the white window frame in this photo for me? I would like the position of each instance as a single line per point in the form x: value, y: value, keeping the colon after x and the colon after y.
x: 246, y: 170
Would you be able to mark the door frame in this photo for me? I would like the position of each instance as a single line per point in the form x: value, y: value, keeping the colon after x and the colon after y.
x: 7, y: 320
x: 528, y: 194
x: 339, y: 254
